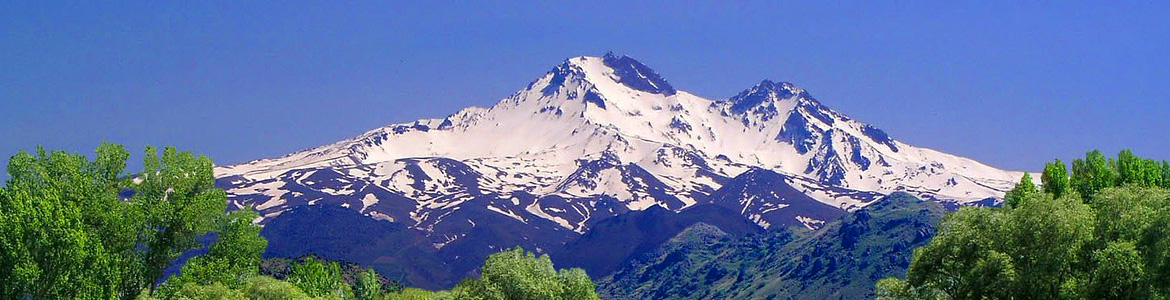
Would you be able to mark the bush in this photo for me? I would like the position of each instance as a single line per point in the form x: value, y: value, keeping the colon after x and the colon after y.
x: 191, y: 291
x: 264, y: 287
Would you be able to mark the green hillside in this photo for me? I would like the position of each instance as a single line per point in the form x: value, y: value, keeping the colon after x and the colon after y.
x: 842, y: 261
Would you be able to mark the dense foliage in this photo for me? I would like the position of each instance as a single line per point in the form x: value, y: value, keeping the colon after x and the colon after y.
x: 351, y: 273
x: 319, y: 279
x: 515, y: 275
x: 367, y: 286
x: 66, y: 231
x: 232, y: 261
x: 1098, y: 233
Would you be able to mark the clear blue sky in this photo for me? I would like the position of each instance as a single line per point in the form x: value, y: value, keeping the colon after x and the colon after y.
x: 1008, y: 84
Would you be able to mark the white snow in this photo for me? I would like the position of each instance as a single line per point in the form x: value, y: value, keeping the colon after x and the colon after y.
x: 507, y: 213
x: 368, y: 200
x: 810, y: 223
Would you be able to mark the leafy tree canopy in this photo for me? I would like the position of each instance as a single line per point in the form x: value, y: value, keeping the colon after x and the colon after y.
x: 515, y: 275
x: 68, y: 230
x: 1099, y: 233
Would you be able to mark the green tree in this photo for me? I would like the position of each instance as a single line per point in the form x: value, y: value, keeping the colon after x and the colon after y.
x: 1130, y: 168
x: 1045, y: 239
x: 232, y: 260
x: 1155, y: 248
x: 1106, y: 240
x: 418, y: 294
x: 518, y: 275
x: 1029, y: 252
x: 1125, y: 213
x: 897, y: 289
x: 239, y: 245
x: 1022, y: 189
x: 177, y: 195
x: 256, y: 288
x: 1055, y: 179
x: 1120, y: 273
x: 216, y: 291
x: 264, y: 288
x: 67, y: 231
x: 367, y: 286
x: 964, y: 256
x: 1136, y: 215
x: 1165, y: 174
x: 1152, y: 170
x: 319, y: 279
x: 576, y: 284
x: 1093, y: 174
x: 63, y: 231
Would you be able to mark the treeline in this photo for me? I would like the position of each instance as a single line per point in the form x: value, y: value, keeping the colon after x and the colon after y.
x: 75, y: 228
x: 514, y: 274
x: 511, y: 274
x: 282, y: 267
x: 1101, y: 232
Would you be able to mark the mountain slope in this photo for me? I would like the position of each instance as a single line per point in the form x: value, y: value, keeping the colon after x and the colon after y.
x: 607, y: 127
x: 616, y: 240
x: 595, y: 138
x: 336, y: 233
x: 842, y: 261
x: 767, y: 198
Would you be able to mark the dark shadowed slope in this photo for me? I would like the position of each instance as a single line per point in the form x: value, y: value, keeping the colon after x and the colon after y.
x: 616, y: 240
x: 765, y: 197
x: 841, y: 261
x: 337, y: 233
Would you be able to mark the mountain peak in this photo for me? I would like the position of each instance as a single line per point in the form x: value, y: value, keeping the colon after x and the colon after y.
x: 762, y: 92
x: 635, y: 75
x: 599, y: 76
x: 768, y: 84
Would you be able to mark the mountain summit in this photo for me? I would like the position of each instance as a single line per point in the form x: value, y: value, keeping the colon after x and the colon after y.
x: 597, y: 137
x: 635, y: 75
x: 762, y: 94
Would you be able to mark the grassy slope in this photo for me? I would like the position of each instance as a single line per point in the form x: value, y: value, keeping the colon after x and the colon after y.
x: 841, y: 261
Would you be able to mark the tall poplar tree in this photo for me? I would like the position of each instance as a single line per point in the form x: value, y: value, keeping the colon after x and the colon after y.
x: 1055, y: 179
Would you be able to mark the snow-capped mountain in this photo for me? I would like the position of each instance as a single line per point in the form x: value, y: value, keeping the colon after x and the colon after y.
x: 600, y: 136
